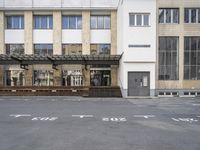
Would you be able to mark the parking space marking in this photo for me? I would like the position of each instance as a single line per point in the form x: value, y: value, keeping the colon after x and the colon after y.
x: 44, y: 118
x: 114, y: 119
x: 144, y: 116
x: 190, y: 120
x: 20, y: 115
x: 83, y: 116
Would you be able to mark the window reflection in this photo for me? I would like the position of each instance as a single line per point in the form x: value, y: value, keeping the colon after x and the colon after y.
x: 43, y: 49
x: 72, y: 78
x: 12, y: 49
x: 100, y: 78
x: 43, y: 78
x: 14, y: 78
x: 100, y: 49
x: 72, y: 49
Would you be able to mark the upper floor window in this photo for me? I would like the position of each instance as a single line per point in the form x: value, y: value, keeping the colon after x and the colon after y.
x: 100, y: 22
x: 72, y: 49
x: 72, y: 22
x: 100, y: 49
x: 168, y: 58
x: 15, y: 22
x: 14, y: 49
x: 137, y: 19
x: 169, y: 15
x: 43, y: 22
x: 192, y: 15
x: 43, y: 49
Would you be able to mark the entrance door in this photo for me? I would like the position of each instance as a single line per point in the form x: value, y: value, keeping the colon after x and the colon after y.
x: 138, y: 83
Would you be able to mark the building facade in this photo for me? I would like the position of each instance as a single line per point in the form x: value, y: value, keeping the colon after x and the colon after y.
x: 140, y: 47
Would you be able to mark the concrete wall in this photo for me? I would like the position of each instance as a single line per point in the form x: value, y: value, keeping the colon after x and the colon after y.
x: 14, y: 36
x: 42, y: 36
x: 72, y: 36
x: 16, y: 4
x: 179, y: 30
x: 86, y: 32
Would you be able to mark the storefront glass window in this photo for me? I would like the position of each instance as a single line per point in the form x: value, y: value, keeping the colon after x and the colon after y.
x: 72, y: 78
x: 43, y: 78
x: 14, y: 77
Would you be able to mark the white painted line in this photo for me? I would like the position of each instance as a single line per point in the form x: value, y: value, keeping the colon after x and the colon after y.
x: 114, y: 119
x: 198, y: 116
x: 196, y: 104
x: 144, y: 116
x: 19, y: 115
x: 83, y: 116
x: 44, y: 118
x: 190, y: 120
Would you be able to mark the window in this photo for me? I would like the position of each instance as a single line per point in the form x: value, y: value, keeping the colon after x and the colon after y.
x: 14, y: 49
x: 43, y: 22
x: 43, y: 78
x: 100, y: 22
x: 100, y: 49
x: 100, y: 77
x: 43, y: 49
x: 139, y: 19
x: 72, y: 22
x: 192, y: 15
x: 72, y: 49
x: 169, y: 15
x: 168, y: 58
x: 14, y: 78
x: 72, y: 78
x: 15, y: 22
x: 192, y: 58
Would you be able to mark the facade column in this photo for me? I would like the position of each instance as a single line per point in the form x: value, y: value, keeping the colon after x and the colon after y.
x: 2, y: 34
x: 57, y: 76
x: 86, y: 32
x: 114, y: 75
x: 29, y: 76
x: 57, y: 33
x: 28, y: 32
x: 86, y: 75
x: 113, y: 32
x: 2, y: 44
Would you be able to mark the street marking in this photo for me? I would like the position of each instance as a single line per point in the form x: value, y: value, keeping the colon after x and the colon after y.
x: 19, y: 115
x: 190, y: 120
x: 44, y: 118
x: 196, y: 104
x: 83, y: 116
x: 144, y: 116
x: 114, y: 119
x: 198, y: 116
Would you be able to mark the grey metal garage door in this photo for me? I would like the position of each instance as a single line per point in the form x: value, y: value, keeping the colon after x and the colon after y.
x: 138, y: 83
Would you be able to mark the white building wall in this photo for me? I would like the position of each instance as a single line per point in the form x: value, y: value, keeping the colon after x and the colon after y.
x: 71, y: 36
x: 136, y: 59
x: 100, y: 36
x: 14, y: 36
x: 43, y: 36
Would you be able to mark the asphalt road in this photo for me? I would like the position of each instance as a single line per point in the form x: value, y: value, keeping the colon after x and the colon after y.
x: 74, y: 123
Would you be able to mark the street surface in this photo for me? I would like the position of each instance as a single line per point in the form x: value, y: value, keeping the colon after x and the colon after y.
x: 75, y: 123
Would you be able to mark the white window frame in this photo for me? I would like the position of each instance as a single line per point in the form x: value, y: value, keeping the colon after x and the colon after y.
x: 190, y: 16
x: 142, y: 22
x: 172, y: 16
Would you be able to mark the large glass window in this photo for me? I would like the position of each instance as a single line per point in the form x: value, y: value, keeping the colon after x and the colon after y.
x: 71, y: 22
x: 17, y: 49
x: 100, y: 49
x: 43, y: 22
x: 192, y: 58
x: 43, y: 78
x: 100, y: 22
x: 72, y: 49
x: 100, y: 77
x: 169, y: 15
x: 168, y: 58
x: 14, y: 78
x: 137, y: 19
x: 43, y: 49
x: 15, y: 22
x: 72, y: 78
x: 192, y: 15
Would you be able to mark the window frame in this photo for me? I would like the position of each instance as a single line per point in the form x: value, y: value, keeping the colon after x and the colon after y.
x: 49, y: 22
x: 67, y: 17
x: 96, y: 19
x: 20, y: 22
x: 190, y: 15
x: 135, y: 21
x: 171, y: 16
